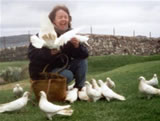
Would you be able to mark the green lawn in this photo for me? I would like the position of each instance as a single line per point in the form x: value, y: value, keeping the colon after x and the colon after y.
x: 124, y: 70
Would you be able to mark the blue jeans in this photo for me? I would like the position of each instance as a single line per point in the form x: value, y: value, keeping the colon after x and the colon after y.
x: 77, y: 70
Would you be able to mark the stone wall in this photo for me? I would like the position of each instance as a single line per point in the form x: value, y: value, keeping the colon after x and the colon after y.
x: 100, y: 45
x: 123, y: 45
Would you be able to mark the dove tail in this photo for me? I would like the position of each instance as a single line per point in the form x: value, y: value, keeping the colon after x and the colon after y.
x: 67, y: 112
x: 120, y: 97
x: 36, y: 42
x: 158, y: 92
x: 68, y: 100
x: 2, y: 109
x: 66, y: 106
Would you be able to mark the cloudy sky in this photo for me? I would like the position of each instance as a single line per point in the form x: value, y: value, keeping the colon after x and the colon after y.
x: 104, y: 16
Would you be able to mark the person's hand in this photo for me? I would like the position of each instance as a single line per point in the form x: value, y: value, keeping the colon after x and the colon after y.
x: 54, y: 51
x: 75, y: 42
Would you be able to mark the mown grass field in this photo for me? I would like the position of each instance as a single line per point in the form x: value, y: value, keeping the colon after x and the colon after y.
x: 124, y: 70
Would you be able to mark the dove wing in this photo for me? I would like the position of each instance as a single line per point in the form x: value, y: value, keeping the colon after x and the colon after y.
x: 72, y: 95
x: 153, y: 81
x: 149, y: 89
x: 107, y: 92
x: 50, y: 107
x: 82, y: 39
x: 47, y: 28
x: 93, y: 92
x: 14, y: 105
x: 67, y: 36
x: 37, y: 42
x: 116, y: 95
x: 83, y: 95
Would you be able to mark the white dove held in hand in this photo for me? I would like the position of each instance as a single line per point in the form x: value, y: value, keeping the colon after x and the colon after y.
x: 47, y: 31
x: 63, y: 39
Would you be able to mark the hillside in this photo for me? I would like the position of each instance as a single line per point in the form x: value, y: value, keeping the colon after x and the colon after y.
x: 14, y: 41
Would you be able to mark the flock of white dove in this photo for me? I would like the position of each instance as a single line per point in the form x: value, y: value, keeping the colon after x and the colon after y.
x: 93, y: 91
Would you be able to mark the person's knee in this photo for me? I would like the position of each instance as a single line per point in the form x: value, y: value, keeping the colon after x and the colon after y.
x: 84, y: 62
x: 81, y: 63
x: 83, y: 66
x: 68, y: 74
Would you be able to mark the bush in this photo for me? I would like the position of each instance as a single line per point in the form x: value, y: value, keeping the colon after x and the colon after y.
x: 11, y: 74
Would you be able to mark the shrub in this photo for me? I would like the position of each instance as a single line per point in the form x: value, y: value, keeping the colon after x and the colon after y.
x: 11, y: 74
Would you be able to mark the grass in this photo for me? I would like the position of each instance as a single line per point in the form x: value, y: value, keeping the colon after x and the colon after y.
x: 124, y: 70
x: 23, y: 64
x: 99, y: 64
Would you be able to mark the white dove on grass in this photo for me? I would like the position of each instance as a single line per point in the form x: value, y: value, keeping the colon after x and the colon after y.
x: 18, y: 90
x: 82, y: 94
x: 71, y: 86
x: 48, y: 37
x: 72, y: 95
x: 109, y: 93
x: 51, y: 109
x: 153, y: 81
x: 96, y: 86
x: 147, y: 89
x: 92, y: 93
x: 110, y: 83
x: 16, y: 104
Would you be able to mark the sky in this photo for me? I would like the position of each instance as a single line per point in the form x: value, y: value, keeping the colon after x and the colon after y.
x: 124, y: 17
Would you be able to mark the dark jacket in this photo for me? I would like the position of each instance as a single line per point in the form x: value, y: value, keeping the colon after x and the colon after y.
x: 39, y: 58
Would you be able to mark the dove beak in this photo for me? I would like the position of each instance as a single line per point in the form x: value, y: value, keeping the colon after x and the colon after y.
x: 40, y: 93
x: 29, y: 95
x: 139, y: 78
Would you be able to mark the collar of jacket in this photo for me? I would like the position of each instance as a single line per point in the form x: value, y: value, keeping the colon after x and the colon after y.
x: 60, y: 32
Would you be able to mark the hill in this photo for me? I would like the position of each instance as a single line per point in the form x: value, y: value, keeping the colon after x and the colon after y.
x: 14, y: 41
